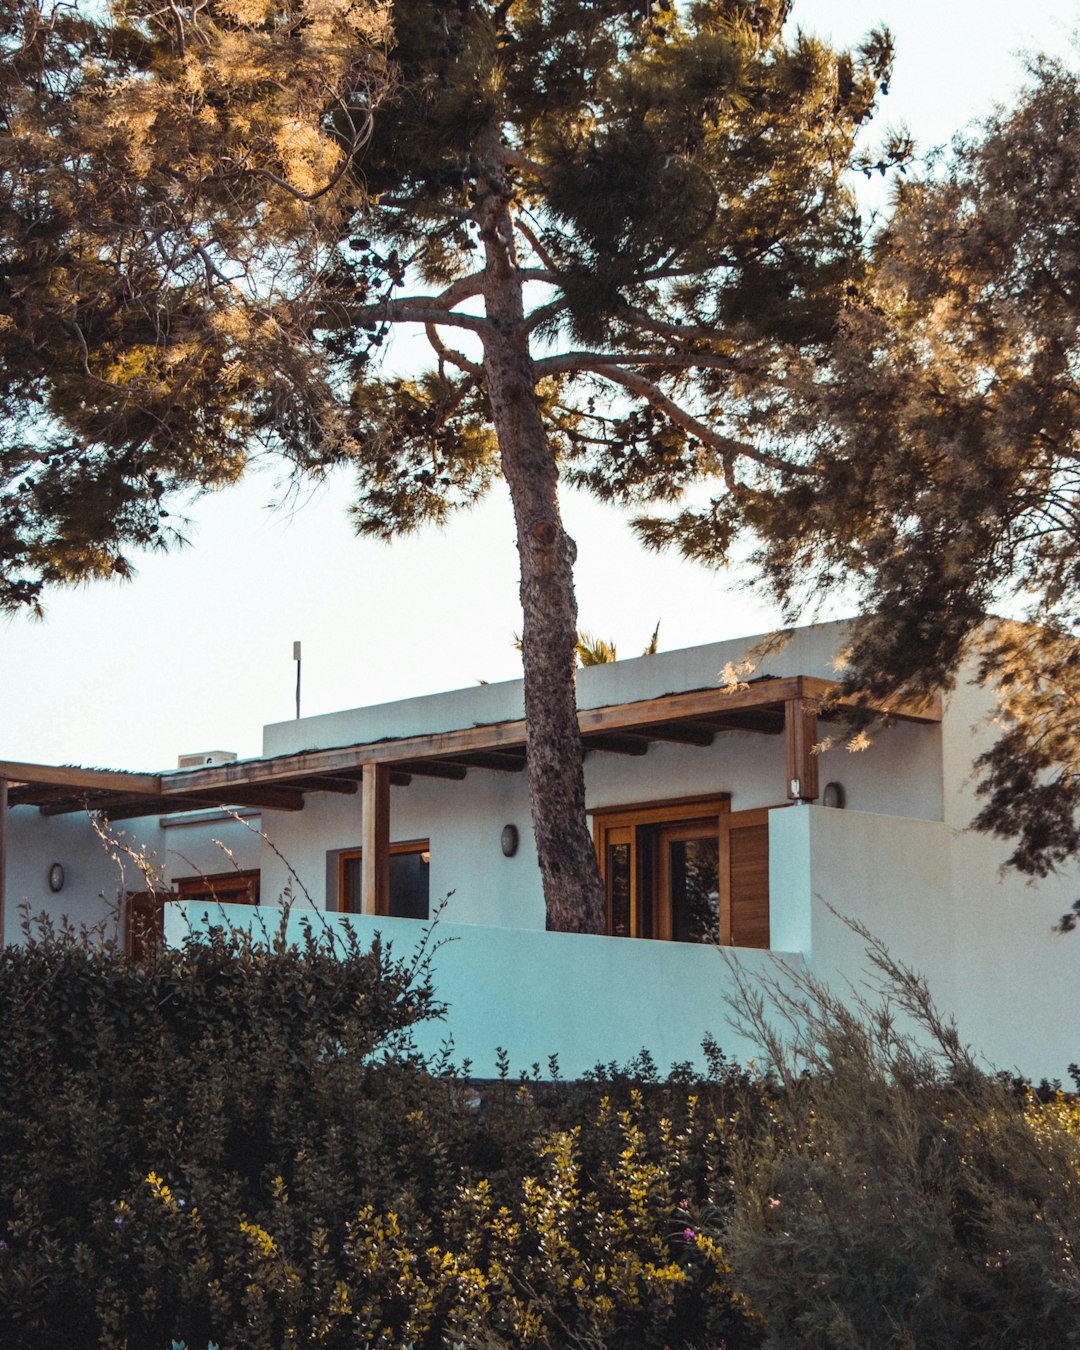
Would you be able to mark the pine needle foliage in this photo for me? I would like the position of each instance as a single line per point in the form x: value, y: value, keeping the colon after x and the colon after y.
x: 943, y: 433
x: 615, y: 222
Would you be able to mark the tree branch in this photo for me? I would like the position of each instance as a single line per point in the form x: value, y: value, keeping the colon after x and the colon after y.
x: 725, y: 446
x: 519, y: 161
x: 536, y: 246
x: 641, y: 319
x: 569, y: 361
x: 455, y: 358
x: 415, y: 309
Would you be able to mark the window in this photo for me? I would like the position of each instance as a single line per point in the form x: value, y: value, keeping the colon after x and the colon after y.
x: 226, y: 888
x: 688, y: 871
x: 144, y: 911
x: 410, y: 866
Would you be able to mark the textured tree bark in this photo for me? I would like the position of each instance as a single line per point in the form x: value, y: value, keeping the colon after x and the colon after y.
x: 573, y: 892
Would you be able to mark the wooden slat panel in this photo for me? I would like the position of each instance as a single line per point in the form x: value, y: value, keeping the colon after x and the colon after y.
x: 749, y: 882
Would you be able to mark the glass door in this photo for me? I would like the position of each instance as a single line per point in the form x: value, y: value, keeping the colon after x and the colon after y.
x: 687, y: 862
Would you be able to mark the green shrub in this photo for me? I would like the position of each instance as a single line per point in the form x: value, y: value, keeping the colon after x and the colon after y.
x: 893, y: 1194
x: 234, y: 1143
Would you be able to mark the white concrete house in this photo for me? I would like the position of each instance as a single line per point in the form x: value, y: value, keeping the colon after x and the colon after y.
x: 724, y: 816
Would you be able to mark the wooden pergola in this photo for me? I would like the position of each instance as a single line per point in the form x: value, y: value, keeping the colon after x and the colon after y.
x: 790, y: 706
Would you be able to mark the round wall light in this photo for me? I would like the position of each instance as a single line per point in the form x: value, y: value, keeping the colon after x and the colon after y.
x: 56, y: 878
x: 833, y: 795
x: 509, y: 840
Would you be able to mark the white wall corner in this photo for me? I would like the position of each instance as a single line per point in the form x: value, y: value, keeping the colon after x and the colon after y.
x: 790, y: 880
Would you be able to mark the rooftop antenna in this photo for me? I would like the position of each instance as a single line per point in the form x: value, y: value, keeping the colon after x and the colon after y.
x: 296, y: 658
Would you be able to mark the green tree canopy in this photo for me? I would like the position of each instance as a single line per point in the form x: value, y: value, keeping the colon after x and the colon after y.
x: 945, y: 433
x: 617, y: 223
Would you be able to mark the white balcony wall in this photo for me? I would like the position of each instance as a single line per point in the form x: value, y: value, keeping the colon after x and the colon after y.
x: 937, y: 897
x: 588, y: 1000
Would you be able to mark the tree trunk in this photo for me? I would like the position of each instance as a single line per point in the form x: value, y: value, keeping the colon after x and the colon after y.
x: 573, y: 892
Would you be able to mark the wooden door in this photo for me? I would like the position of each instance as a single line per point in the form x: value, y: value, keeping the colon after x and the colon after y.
x: 144, y: 922
x: 687, y: 862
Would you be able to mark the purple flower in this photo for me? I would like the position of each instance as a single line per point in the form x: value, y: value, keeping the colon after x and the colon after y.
x: 689, y: 1235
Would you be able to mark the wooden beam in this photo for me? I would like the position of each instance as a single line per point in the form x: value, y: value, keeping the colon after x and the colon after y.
x: 764, y: 721
x: 91, y: 780
x: 375, y: 855
x: 495, y: 759
x: 433, y: 768
x: 754, y: 706
x: 800, y: 730
x: 323, y: 783
x: 456, y: 746
x: 123, y: 808
x: 681, y: 733
x: 689, y: 706
x: 279, y: 797
x: 118, y: 807
x: 398, y: 779
x: 828, y: 693
x: 616, y: 742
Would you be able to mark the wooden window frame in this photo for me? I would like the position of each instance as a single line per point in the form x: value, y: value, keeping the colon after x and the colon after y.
x: 349, y: 854
x: 644, y: 825
x: 205, y: 887
x: 645, y: 818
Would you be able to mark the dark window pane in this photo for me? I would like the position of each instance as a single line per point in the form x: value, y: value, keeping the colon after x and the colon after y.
x: 618, y: 871
x: 349, y: 900
x: 409, y: 885
x: 695, y: 890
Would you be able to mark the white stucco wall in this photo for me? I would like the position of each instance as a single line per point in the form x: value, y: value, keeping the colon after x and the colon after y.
x: 93, y: 882
x: 901, y: 859
x: 96, y: 878
x: 936, y: 896
x: 207, y: 843
x: 588, y: 1000
x: 900, y: 773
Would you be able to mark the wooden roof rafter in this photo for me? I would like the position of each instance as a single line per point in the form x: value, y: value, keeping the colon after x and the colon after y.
x: 692, y: 717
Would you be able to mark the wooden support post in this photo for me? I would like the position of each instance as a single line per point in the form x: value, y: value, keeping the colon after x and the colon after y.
x: 375, y: 857
x: 800, y: 731
x: 3, y: 853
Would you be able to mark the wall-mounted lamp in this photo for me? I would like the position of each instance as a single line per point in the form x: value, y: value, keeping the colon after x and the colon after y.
x: 56, y: 878
x: 834, y: 795
x: 509, y: 840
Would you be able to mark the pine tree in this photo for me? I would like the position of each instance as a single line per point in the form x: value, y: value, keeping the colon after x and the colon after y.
x: 616, y: 222
x: 944, y: 430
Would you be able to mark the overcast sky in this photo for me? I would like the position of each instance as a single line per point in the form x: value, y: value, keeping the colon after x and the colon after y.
x: 196, y: 653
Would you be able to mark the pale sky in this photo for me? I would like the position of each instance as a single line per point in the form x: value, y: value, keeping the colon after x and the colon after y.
x: 196, y: 653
